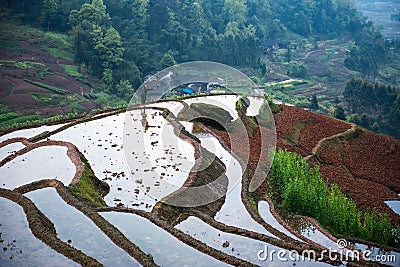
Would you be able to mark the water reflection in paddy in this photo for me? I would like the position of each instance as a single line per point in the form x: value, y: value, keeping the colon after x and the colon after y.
x: 19, y: 247
x: 28, y: 168
x: 173, y: 106
x: 255, y: 105
x: 165, y: 159
x: 394, y: 205
x: 73, y: 225
x: 311, y: 232
x: 101, y: 143
x: 308, y: 230
x: 238, y: 246
x: 266, y: 215
x: 10, y: 149
x: 165, y: 248
x: 389, y: 258
x: 141, y: 164
x: 31, y: 132
x: 233, y: 212
x: 228, y: 103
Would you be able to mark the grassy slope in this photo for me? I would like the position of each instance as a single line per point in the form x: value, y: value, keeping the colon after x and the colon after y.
x: 40, y: 81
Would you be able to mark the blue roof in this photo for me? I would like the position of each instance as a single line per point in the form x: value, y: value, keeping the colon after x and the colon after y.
x: 188, y: 90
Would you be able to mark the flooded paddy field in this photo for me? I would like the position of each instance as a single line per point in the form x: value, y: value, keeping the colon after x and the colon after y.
x: 143, y: 155
x: 19, y: 247
x: 74, y: 228
x: 10, y: 149
x: 165, y: 248
x: 49, y: 162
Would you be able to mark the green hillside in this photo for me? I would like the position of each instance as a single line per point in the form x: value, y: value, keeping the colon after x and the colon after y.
x: 106, y: 48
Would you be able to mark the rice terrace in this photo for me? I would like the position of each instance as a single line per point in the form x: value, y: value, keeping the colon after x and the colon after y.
x: 184, y: 180
x: 199, y: 133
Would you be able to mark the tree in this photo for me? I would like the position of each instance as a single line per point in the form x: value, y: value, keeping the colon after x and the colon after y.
x: 314, y: 102
x: 132, y: 22
x: 108, y: 45
x: 97, y: 44
x: 375, y: 127
x: 110, y: 51
x: 89, y: 15
x: 355, y: 118
x: 88, y: 24
x: 128, y: 70
x: 124, y: 89
x: 368, y: 51
x: 235, y: 11
x: 107, y: 80
x: 297, y: 70
x: 167, y: 60
x: 339, y: 113
x: 49, y: 11
x: 365, y: 121
x: 198, y: 24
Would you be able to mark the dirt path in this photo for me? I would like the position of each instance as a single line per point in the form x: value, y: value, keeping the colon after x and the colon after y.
x: 320, y: 142
x: 309, y: 53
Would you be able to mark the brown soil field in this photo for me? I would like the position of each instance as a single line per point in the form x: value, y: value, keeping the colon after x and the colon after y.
x: 365, y: 165
x: 14, y: 91
x: 303, y: 129
x: 18, y: 100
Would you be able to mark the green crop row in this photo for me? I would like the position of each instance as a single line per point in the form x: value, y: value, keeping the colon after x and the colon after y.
x: 14, y: 119
x: 8, y: 116
x: 32, y: 120
x: 49, y: 87
x: 303, y: 191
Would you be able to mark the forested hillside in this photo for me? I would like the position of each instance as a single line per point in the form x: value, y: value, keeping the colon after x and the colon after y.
x: 374, y: 106
x: 120, y: 42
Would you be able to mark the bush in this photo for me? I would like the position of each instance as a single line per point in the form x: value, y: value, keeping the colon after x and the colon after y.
x: 297, y: 71
x: 102, y: 101
x: 339, y: 113
x: 18, y: 120
x: 303, y: 191
x: 77, y: 106
x: 274, y: 107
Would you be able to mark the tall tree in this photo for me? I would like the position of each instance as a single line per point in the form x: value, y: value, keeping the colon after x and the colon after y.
x: 88, y: 18
x: 49, y: 11
x: 108, y: 45
x: 235, y: 11
x: 97, y: 44
x: 314, y: 102
x: 339, y: 113
x: 89, y: 15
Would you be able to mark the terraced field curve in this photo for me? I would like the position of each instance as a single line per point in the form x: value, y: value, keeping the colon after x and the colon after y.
x: 105, y: 211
